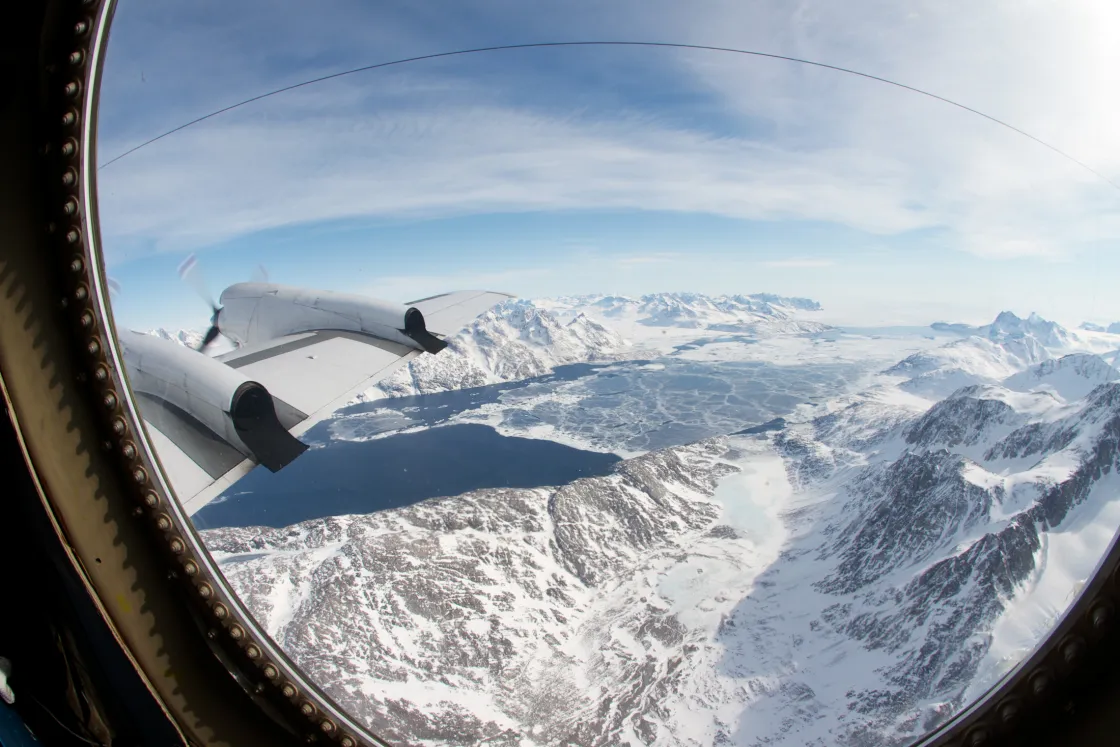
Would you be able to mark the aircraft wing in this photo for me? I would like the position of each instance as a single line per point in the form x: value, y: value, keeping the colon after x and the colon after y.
x: 448, y: 313
x: 309, y: 375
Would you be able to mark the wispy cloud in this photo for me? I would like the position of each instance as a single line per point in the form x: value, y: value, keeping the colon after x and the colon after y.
x: 802, y: 262
x: 803, y: 144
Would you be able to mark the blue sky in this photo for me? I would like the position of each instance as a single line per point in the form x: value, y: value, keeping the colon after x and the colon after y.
x: 623, y: 170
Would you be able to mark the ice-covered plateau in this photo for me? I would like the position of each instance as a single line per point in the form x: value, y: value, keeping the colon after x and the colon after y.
x: 851, y: 579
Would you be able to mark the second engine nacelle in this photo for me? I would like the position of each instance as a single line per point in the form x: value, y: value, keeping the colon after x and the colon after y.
x: 257, y: 312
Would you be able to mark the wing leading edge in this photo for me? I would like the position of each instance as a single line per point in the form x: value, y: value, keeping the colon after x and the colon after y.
x: 310, y: 375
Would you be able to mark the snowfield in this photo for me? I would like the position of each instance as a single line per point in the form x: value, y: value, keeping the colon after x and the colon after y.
x: 852, y: 575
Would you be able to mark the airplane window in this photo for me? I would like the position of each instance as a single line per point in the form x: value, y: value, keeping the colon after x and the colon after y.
x: 642, y: 373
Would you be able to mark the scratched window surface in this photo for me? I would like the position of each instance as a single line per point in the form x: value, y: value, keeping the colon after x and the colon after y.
x: 635, y: 374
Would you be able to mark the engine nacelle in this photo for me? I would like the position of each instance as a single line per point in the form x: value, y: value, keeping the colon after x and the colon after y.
x: 257, y: 312
x: 236, y: 409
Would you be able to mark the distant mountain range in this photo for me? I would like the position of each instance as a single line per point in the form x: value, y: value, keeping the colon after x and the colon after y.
x: 523, y: 338
x: 919, y: 545
x: 1112, y: 329
x: 514, y: 340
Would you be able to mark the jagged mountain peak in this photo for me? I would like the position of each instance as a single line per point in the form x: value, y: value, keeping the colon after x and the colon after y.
x: 1071, y: 377
x: 186, y: 337
x: 516, y: 339
x: 1008, y: 325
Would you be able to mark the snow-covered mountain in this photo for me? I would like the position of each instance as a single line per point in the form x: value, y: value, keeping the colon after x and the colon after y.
x: 523, y: 338
x: 1007, y: 327
x: 514, y: 340
x: 190, y: 338
x: 1070, y: 377
x: 756, y: 314
x: 987, y: 354
x: 940, y: 371
x: 851, y: 578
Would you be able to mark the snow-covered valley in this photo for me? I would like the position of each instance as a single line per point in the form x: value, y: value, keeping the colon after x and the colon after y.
x: 852, y: 573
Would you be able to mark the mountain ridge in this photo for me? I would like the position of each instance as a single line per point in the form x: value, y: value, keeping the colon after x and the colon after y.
x: 704, y: 594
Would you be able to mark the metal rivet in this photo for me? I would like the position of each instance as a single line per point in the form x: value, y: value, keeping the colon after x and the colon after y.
x: 93, y: 347
x: 86, y: 319
x: 236, y: 632
x: 102, y: 374
x: 70, y: 206
x: 177, y: 546
x: 288, y: 690
x: 81, y: 293
x: 220, y: 611
x: 69, y: 118
x: 978, y: 737
x: 347, y: 742
x: 80, y: 28
x: 128, y: 450
x: 151, y: 500
x: 1040, y: 683
x: 1101, y: 617
x: 163, y: 523
x: 71, y: 88
x: 1072, y: 649
x: 75, y: 57
x: 253, y: 651
x: 119, y: 426
x: 211, y: 634
x: 69, y: 148
x: 270, y: 671
x: 205, y: 591
x: 306, y: 708
x: 73, y: 236
x: 326, y: 726
x: 140, y: 475
x: 69, y: 178
x: 190, y: 568
x: 1009, y: 711
x: 109, y: 400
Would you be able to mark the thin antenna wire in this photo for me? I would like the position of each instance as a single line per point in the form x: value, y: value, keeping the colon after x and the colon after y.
x: 669, y: 45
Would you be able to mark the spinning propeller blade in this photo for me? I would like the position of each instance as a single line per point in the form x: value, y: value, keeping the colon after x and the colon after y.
x: 192, y: 275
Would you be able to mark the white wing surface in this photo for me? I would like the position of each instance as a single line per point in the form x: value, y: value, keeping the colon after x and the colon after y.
x: 310, y: 375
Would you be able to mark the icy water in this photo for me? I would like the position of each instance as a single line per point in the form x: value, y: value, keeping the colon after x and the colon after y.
x: 392, y: 453
x: 359, y: 478
x: 625, y: 408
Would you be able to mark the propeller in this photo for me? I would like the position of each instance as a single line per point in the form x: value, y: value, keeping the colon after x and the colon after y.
x: 191, y: 273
